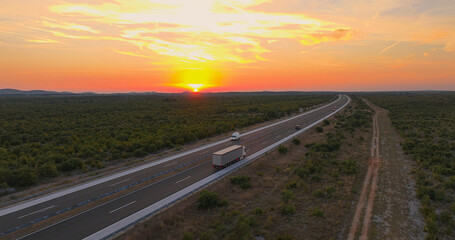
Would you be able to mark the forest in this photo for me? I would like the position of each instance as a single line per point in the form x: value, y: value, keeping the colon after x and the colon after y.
x: 426, y: 121
x: 43, y: 137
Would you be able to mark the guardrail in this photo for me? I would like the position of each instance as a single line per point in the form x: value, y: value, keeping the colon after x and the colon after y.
x: 128, y: 222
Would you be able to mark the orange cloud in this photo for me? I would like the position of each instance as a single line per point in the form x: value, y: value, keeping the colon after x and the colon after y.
x: 202, y: 30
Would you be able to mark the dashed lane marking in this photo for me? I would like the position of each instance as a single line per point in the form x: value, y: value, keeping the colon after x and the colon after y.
x: 115, y: 210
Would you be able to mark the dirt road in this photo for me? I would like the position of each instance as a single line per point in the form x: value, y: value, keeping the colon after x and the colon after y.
x: 387, y: 206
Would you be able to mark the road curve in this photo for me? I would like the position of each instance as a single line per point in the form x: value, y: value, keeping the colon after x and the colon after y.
x: 140, y: 187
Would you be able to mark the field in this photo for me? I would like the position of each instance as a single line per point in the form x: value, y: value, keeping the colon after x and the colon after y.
x: 43, y: 137
x: 302, y: 190
x: 426, y: 122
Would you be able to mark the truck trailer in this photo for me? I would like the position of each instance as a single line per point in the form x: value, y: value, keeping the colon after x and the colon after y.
x: 228, y: 156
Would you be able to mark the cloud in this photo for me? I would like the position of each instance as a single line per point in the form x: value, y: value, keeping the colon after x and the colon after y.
x: 200, y: 30
x: 336, y: 35
x: 69, y: 26
x: 42, y: 41
x: 388, y: 47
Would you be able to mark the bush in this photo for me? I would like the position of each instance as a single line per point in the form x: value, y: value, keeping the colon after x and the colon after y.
x: 286, y: 196
x: 188, y: 236
x: 243, y: 181
x: 48, y: 170
x: 258, y: 211
x: 208, y: 199
x: 296, y: 141
x: 22, y: 177
x: 317, y: 213
x: 282, y: 149
x: 318, y: 193
x: 319, y: 129
x: 348, y: 167
x: 325, y: 123
x: 287, y: 209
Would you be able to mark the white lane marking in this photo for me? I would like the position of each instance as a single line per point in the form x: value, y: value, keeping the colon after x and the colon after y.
x: 169, y: 165
x: 120, y: 182
x: 42, y: 210
x: 122, y: 207
x: 183, y: 179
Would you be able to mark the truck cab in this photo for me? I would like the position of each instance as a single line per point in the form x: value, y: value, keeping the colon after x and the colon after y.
x: 235, y: 136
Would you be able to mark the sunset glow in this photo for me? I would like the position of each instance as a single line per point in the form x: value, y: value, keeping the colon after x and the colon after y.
x: 227, y: 45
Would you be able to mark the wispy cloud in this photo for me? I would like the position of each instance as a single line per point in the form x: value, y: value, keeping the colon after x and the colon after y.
x: 388, y: 48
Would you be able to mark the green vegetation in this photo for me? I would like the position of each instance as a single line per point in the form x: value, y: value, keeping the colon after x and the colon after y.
x: 296, y: 141
x: 243, y: 181
x: 318, y: 213
x: 42, y: 137
x: 282, y: 149
x: 287, y: 209
x: 208, y: 199
x: 426, y: 121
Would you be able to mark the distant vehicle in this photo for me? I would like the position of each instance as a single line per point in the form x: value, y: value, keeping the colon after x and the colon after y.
x: 333, y: 109
x: 228, y: 156
x: 235, y: 136
x: 297, y: 127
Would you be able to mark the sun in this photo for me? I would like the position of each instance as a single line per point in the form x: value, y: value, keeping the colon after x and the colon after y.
x: 195, y: 87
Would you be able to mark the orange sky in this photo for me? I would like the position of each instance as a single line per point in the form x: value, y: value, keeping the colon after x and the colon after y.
x: 227, y: 45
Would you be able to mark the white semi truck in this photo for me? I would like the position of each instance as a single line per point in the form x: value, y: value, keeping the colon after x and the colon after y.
x: 228, y: 156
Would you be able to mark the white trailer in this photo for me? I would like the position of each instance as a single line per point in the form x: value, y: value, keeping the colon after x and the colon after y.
x: 228, y: 156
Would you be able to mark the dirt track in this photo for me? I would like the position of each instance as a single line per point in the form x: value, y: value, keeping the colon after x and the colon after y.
x: 387, y: 206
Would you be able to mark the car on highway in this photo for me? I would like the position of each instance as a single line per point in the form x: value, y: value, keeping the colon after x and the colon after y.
x: 297, y: 127
x: 235, y: 136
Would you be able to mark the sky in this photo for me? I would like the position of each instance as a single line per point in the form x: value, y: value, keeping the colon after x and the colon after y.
x: 227, y: 45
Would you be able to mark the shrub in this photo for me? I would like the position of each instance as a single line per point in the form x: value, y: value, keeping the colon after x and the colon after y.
x: 48, y: 170
x: 22, y: 177
x: 317, y: 213
x: 188, y: 236
x: 208, y: 199
x: 292, y: 185
x: 243, y: 181
x: 296, y: 141
x: 287, y: 209
x: 325, y: 123
x: 348, y: 167
x: 329, y: 191
x: 282, y: 149
x: 318, y: 193
x: 319, y: 129
x: 286, y: 196
x: 258, y: 211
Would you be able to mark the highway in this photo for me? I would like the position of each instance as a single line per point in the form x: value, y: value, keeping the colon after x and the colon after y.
x: 84, y: 210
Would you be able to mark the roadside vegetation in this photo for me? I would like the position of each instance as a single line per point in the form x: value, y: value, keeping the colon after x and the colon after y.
x: 426, y: 122
x: 305, y: 192
x: 43, y: 137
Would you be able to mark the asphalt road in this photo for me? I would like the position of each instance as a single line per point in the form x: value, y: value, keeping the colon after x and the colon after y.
x: 180, y: 173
